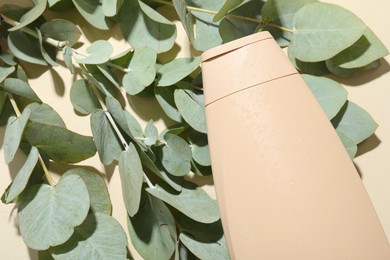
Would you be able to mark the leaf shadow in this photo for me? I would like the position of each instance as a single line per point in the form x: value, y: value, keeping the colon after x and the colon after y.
x: 58, y: 82
x: 34, y: 71
x: 368, y: 145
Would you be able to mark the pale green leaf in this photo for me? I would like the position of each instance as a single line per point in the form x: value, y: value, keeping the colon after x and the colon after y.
x: 20, y: 88
x: 48, y: 215
x: 67, y: 54
x: 151, y: 133
x: 107, y: 143
x: 152, y: 230
x: 354, y: 122
x: 199, y: 148
x: 314, y: 68
x: 21, y: 179
x: 226, y: 8
x: 59, y: 143
x: 97, y: 190
x: 31, y: 15
x: 192, y: 202
x: 99, y: 237
x: 8, y: 58
x: 176, y: 155
x: 50, y: 59
x: 323, y: 30
x: 347, y: 73
x: 185, y: 18
x: 105, y: 70
x: 141, y: 70
x: 131, y: 172
x: 166, y: 100
x: 25, y: 48
x: 330, y: 94
x: 143, y: 26
x: 61, y: 30
x: 13, y: 134
x: 92, y: 11
x: 349, y: 144
x: 5, y: 72
x: 111, y: 7
x: 43, y: 113
x: 205, y: 249
x: 83, y: 98
x: 191, y: 107
x: 366, y: 50
x: 99, y: 52
x: 174, y: 71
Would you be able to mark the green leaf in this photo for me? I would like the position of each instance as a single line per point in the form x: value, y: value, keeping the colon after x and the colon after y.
x: 31, y: 15
x: 21, y: 179
x: 13, y: 134
x: 191, y: 107
x: 200, y: 170
x: 176, y: 155
x: 143, y: 26
x: 166, y: 100
x: 176, y: 70
x: 8, y: 58
x: 92, y: 11
x: 199, y: 148
x: 97, y: 190
x: 354, y: 122
x: 282, y: 13
x: 111, y: 7
x: 314, y: 68
x: 60, y: 5
x: 99, y: 237
x: 83, y: 98
x: 152, y: 230
x: 25, y: 48
x: 105, y: 70
x: 330, y: 94
x: 3, y: 100
x: 108, y: 145
x: 61, y: 30
x: 49, y: 58
x: 45, y: 254
x: 48, y: 215
x: 5, y: 72
x: 20, y: 88
x: 226, y: 8
x: 366, y: 50
x: 132, y: 175
x: 151, y: 134
x: 67, y: 54
x: 141, y: 70
x: 323, y: 30
x: 43, y: 113
x: 59, y: 143
x: 99, y: 52
x: 349, y: 144
x: 346, y: 73
x: 192, y: 202
x: 206, y: 250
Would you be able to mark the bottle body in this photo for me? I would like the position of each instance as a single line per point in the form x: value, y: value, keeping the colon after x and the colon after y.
x: 285, y: 186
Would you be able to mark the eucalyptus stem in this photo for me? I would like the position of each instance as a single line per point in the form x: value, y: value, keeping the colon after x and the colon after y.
x: 46, y: 171
x: 51, y: 41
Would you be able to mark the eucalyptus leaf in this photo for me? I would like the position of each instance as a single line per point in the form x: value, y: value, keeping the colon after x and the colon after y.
x: 5, y: 72
x: 315, y: 68
x: 20, y: 73
x: 3, y: 100
x: 48, y: 215
x: 199, y: 148
x: 45, y: 255
x: 173, y: 129
x: 141, y: 70
x: 61, y: 30
x: 176, y: 155
x: 349, y: 144
x: 152, y: 230
x: 101, y: 83
x: 143, y: 26
x: 227, y: 6
x: 67, y: 54
x: 174, y: 71
x: 111, y: 7
x: 21, y: 179
x: 200, y: 170
x: 131, y: 172
x: 50, y: 59
x: 13, y: 134
x: 105, y: 70
x: 192, y: 201
x: 347, y: 73
x: 166, y: 100
x: 8, y: 58
x: 43, y: 113
x: 83, y: 98
x: 151, y: 133
x: 59, y: 143
x: 322, y: 30
x: 99, y: 52
x: 20, y: 88
x: 191, y: 107
x: 92, y: 11
x: 100, y: 236
x: 330, y: 94
x: 31, y: 15
x: 97, y: 190
x: 204, y: 250
x: 107, y: 143
x: 354, y: 122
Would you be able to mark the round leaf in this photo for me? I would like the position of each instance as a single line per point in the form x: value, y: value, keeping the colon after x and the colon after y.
x: 349, y: 144
x: 205, y: 249
x: 83, y: 98
x: 322, y: 30
x: 20, y: 88
x: 92, y: 11
x: 176, y: 155
x: 176, y: 70
x: 99, y: 237
x: 5, y: 72
x: 61, y: 30
x: 48, y: 216
x: 43, y: 113
x: 330, y: 94
x: 227, y: 6
x: 25, y: 48
x: 99, y: 52
x: 165, y: 98
x: 314, y: 68
x: 346, y: 73
x: 199, y: 148
x: 111, y: 7
x: 31, y: 15
x: 151, y: 134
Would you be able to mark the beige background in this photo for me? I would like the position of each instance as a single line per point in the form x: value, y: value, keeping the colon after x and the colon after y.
x: 370, y: 90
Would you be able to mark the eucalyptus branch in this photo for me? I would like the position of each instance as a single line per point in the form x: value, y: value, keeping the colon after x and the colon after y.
x: 18, y: 114
x: 51, y: 41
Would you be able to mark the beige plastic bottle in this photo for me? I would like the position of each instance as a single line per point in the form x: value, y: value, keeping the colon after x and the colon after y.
x: 285, y: 186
